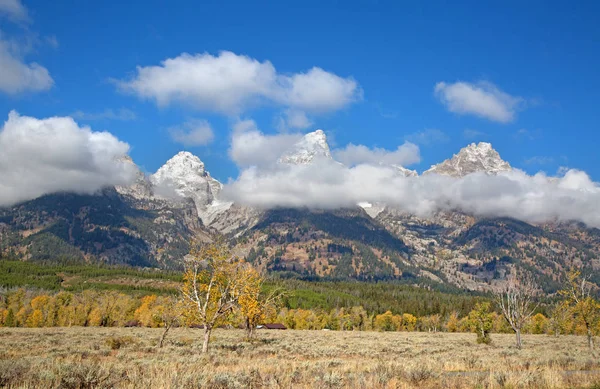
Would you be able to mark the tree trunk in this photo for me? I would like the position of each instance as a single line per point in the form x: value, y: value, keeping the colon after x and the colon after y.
x: 207, y: 331
x: 590, y: 338
x: 248, y: 329
x: 164, y: 335
x: 519, y: 343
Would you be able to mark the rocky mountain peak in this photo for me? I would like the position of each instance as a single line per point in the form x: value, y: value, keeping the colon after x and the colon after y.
x: 473, y: 158
x: 312, y: 145
x: 182, y: 163
x: 186, y: 176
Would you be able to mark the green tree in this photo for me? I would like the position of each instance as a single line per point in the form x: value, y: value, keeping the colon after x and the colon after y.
x: 481, y: 321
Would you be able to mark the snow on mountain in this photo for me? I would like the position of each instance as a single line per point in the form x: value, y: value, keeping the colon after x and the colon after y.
x: 312, y: 146
x: 185, y: 175
x: 473, y: 158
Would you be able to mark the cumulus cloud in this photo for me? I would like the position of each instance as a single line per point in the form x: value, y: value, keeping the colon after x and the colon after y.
x: 294, y: 120
x: 406, y: 154
x: 329, y: 185
x: 122, y: 114
x: 482, y: 99
x: 14, y: 10
x: 229, y: 83
x: 42, y: 156
x: 251, y: 147
x: 18, y: 76
x: 318, y: 91
x: 193, y: 133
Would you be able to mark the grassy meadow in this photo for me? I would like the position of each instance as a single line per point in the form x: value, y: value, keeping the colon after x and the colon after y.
x: 77, y: 357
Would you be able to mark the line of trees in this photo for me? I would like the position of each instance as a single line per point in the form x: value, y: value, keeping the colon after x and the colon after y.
x: 220, y: 289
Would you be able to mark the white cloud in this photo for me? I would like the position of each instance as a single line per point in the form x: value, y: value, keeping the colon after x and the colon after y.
x: 244, y: 125
x: 193, y: 133
x: 42, y: 156
x: 427, y: 137
x: 293, y: 119
x: 250, y: 147
x: 229, y: 83
x: 327, y: 184
x: 318, y: 91
x: 14, y: 10
x: 482, y: 99
x: 18, y: 76
x: 406, y: 154
x: 122, y: 114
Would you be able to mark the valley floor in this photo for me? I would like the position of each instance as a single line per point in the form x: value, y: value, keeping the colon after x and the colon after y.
x: 128, y: 358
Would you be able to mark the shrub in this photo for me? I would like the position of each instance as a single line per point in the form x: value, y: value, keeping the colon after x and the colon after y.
x: 88, y: 376
x: 11, y: 372
x: 116, y: 342
x: 420, y: 374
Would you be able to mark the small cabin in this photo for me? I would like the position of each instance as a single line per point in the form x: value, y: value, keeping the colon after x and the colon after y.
x: 274, y: 326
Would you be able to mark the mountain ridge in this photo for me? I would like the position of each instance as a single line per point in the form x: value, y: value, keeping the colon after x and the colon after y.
x: 163, y: 212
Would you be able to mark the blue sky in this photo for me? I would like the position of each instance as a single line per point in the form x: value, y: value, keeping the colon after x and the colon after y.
x: 542, y: 58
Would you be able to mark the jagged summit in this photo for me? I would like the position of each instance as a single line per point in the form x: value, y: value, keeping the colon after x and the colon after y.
x: 186, y: 176
x: 479, y: 157
x: 181, y: 163
x: 312, y: 145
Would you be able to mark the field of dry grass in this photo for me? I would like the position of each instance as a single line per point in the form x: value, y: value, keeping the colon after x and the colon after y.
x: 129, y: 358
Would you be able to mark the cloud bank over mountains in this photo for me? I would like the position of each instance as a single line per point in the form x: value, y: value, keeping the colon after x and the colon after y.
x: 370, y: 175
x: 287, y: 169
x: 43, y: 156
x: 329, y: 185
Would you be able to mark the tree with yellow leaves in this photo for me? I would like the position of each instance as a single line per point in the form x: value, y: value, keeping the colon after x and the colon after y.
x: 578, y: 292
x: 214, y: 280
x: 144, y: 313
x: 249, y: 301
x: 167, y: 313
x: 254, y: 304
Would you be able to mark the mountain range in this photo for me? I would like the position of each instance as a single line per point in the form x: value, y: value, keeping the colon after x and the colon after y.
x: 151, y: 223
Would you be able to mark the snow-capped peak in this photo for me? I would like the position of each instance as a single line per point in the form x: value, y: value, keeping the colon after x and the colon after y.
x: 185, y: 175
x: 312, y: 146
x: 182, y: 164
x: 474, y: 158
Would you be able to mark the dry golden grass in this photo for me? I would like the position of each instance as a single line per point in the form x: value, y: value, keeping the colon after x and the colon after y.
x: 86, y: 358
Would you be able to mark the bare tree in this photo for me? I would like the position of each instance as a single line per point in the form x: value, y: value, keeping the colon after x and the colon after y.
x: 517, y: 301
